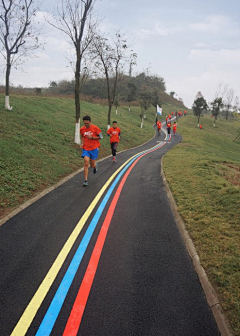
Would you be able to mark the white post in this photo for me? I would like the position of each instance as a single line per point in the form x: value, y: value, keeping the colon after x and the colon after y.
x: 77, y: 133
x: 7, y: 105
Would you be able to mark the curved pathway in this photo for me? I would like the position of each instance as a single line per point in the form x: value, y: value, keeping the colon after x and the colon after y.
x: 103, y: 260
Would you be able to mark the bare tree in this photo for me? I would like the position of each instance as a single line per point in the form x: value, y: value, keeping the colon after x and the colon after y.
x: 236, y: 105
x: 221, y: 90
x: 132, y: 62
x: 109, y: 59
x: 18, y: 36
x: 229, y: 99
x: 74, y: 19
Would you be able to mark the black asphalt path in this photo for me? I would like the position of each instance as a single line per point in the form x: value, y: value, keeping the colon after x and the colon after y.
x: 145, y: 282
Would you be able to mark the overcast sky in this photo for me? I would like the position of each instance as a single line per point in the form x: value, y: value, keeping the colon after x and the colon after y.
x: 193, y: 44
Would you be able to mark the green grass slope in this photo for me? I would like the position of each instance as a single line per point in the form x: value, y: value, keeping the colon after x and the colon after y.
x: 204, y: 175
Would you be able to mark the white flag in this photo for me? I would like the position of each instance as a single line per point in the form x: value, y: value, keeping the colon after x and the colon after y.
x: 159, y: 110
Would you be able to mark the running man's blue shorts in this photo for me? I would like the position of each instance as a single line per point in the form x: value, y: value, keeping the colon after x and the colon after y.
x: 92, y: 154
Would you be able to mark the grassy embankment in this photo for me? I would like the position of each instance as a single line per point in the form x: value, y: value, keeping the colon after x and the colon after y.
x: 204, y: 175
x: 36, y: 142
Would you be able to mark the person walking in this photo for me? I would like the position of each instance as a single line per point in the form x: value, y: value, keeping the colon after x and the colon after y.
x: 115, y: 134
x: 90, y: 136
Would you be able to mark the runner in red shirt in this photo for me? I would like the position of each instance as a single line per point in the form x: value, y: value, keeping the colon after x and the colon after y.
x: 90, y: 136
x: 159, y: 126
x: 115, y: 134
x: 174, y: 127
x: 169, y: 127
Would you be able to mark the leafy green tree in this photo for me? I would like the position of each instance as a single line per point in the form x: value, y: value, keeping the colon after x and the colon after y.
x: 156, y: 82
x: 217, y: 104
x: 155, y: 100
x: 53, y: 84
x: 38, y: 91
x: 144, y: 102
x: 199, y: 107
x: 132, y: 94
x: 66, y: 87
x: 95, y: 88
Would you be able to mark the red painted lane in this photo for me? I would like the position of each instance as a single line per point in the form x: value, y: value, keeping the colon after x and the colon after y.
x: 75, y: 317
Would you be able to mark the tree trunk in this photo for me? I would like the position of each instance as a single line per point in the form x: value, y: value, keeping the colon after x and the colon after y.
x: 227, y: 115
x: 142, y: 123
x: 109, y: 114
x: 77, y: 96
x: 215, y: 119
x: 8, y: 70
x: 77, y: 139
x: 109, y: 100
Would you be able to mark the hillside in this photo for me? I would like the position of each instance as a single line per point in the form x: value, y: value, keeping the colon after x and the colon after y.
x: 36, y: 142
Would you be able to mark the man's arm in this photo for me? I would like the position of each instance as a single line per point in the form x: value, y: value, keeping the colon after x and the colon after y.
x: 97, y: 136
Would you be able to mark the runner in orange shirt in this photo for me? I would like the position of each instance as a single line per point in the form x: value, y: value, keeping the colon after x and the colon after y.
x: 115, y: 134
x: 159, y: 126
x: 169, y: 127
x: 174, y: 127
x: 90, y: 135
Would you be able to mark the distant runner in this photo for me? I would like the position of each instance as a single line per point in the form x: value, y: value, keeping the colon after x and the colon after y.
x: 169, y: 127
x: 90, y: 135
x: 159, y: 126
x: 115, y: 134
x: 174, y: 127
